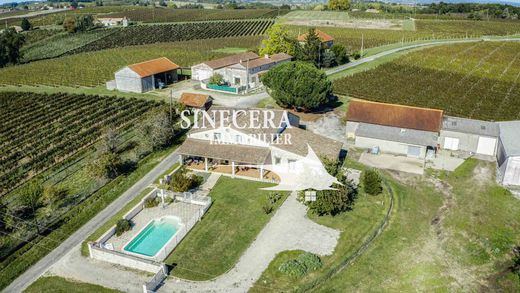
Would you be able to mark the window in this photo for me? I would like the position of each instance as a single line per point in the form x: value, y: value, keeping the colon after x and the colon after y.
x: 277, y: 160
x: 237, y: 80
x: 310, y: 195
x: 216, y: 136
x: 238, y: 138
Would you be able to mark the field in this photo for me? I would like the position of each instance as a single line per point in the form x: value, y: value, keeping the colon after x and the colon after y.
x: 475, y: 80
x: 32, y: 137
x: 184, y: 15
x: 95, y: 68
x: 61, y: 285
x: 228, y: 228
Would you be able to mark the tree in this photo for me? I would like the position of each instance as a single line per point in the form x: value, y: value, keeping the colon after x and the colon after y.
x: 30, y: 196
x: 122, y: 226
x: 298, y: 85
x: 278, y: 41
x: 53, y: 194
x: 328, y: 59
x: 163, y: 3
x: 84, y: 22
x: 156, y: 129
x: 339, y: 4
x: 333, y: 202
x: 216, y: 78
x: 74, y: 4
x: 340, y: 53
x: 111, y: 140
x: 26, y: 25
x: 182, y: 181
x: 372, y: 182
x: 69, y: 24
x: 312, y: 49
x: 106, y: 165
x: 10, y: 44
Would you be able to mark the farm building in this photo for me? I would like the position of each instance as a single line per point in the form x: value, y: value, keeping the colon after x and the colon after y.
x: 145, y: 76
x: 112, y: 21
x: 508, y: 155
x: 240, y: 72
x: 326, y: 40
x: 395, y: 129
x: 196, y: 101
x: 468, y: 135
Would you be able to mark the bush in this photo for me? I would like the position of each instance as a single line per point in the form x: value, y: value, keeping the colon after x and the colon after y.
x: 151, y: 202
x: 293, y: 269
x: 216, y: 79
x: 336, y: 201
x: 122, y: 226
x: 372, y: 182
x: 268, y: 208
x: 274, y: 197
x: 182, y: 182
x: 311, y: 261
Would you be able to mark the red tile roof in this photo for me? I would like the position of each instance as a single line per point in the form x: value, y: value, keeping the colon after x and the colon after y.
x: 154, y: 66
x: 323, y: 37
x: 194, y: 100
x: 395, y: 115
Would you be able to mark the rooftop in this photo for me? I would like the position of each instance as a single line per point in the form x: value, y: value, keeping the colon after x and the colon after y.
x: 194, y: 100
x: 268, y: 60
x: 464, y: 125
x: 409, y: 136
x: 153, y: 66
x: 395, y: 115
x: 510, y: 137
x: 322, y: 146
x: 230, y: 60
x: 323, y: 37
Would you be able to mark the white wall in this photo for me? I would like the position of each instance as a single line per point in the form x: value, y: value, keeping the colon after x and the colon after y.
x: 387, y: 146
x: 201, y: 72
x: 128, y: 81
x: 511, y: 171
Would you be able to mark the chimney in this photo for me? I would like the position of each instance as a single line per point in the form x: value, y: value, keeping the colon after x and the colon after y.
x: 266, y: 56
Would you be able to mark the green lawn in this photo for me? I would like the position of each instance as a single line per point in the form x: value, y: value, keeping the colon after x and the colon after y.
x: 61, y: 285
x: 231, y: 224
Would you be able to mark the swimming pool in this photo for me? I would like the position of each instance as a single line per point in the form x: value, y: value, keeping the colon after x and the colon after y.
x: 154, y: 236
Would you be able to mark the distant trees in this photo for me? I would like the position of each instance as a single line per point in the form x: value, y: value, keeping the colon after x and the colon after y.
x: 26, y: 25
x: 298, y: 85
x: 278, y: 41
x: 338, y: 4
x: 10, y: 44
x: 79, y: 23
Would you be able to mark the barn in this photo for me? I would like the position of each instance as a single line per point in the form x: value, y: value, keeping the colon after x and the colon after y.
x: 508, y: 155
x: 394, y: 129
x: 468, y: 135
x: 145, y: 76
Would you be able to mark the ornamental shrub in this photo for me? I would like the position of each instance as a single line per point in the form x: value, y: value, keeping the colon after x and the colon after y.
x: 122, y: 226
x: 311, y: 261
x: 293, y: 269
x: 372, y: 182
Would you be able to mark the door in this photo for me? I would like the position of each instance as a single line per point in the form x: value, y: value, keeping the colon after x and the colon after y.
x: 414, y: 151
x: 451, y: 143
x: 486, y: 146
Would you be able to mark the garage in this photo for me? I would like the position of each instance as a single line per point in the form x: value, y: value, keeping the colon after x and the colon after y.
x: 451, y: 143
x: 486, y: 145
x: 414, y: 151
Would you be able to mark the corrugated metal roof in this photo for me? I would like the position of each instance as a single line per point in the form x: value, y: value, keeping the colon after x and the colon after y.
x: 510, y: 137
x: 395, y: 115
x: 470, y: 126
x: 154, y: 66
x: 408, y: 136
x: 324, y: 37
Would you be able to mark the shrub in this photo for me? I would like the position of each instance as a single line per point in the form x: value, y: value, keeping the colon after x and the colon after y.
x: 293, y: 269
x: 268, y: 208
x: 372, y: 182
x: 274, y: 197
x: 122, y: 226
x: 151, y: 202
x: 182, y: 182
x: 216, y: 79
x: 311, y: 261
x: 333, y: 202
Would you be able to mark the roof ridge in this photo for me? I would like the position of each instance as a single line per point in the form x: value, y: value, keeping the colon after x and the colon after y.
x: 398, y: 105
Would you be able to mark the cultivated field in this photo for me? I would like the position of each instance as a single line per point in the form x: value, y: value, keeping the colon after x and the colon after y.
x: 95, y: 68
x: 475, y: 80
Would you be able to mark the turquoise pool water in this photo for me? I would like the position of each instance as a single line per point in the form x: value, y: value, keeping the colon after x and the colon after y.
x: 154, y: 236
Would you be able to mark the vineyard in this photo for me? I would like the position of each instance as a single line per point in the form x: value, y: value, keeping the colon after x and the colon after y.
x: 476, y: 80
x: 38, y: 131
x: 184, y: 15
x: 95, y: 68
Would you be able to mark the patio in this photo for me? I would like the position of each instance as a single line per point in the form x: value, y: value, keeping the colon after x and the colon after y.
x: 223, y: 167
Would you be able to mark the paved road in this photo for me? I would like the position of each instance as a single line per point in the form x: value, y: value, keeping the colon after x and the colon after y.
x: 33, y: 273
x: 408, y: 47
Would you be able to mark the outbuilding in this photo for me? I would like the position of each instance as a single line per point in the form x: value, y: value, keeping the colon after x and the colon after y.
x: 469, y: 135
x: 508, y: 155
x: 196, y: 101
x: 394, y: 129
x: 145, y: 76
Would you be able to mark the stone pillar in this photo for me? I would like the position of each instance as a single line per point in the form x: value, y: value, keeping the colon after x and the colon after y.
x: 233, y: 169
x: 206, y: 164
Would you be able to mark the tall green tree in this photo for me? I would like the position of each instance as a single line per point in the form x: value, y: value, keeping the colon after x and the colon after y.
x: 312, y: 49
x: 10, y: 44
x: 26, y: 25
x: 339, y: 4
x: 278, y: 41
x: 156, y: 130
x: 298, y: 85
x: 340, y: 52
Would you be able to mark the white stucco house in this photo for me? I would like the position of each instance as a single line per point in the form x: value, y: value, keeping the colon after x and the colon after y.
x: 508, y: 155
x: 113, y: 21
x: 226, y: 146
x: 240, y: 72
x: 144, y: 76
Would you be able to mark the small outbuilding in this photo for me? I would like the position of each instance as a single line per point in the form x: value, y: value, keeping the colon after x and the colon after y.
x: 469, y: 135
x: 196, y: 101
x: 145, y: 76
x: 508, y: 155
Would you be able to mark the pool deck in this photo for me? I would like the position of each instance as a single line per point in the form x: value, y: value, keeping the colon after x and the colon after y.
x: 184, y: 211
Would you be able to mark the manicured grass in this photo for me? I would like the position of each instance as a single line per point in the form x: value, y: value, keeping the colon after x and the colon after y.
x: 231, y: 224
x: 355, y: 226
x: 475, y: 80
x: 62, y: 285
